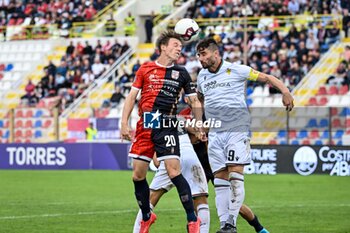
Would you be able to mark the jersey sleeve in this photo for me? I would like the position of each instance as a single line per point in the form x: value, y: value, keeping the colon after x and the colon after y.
x: 138, y: 82
x: 189, y: 87
x: 199, y: 88
x: 247, y: 73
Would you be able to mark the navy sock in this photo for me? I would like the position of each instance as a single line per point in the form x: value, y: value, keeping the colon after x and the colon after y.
x: 142, y: 196
x: 256, y: 224
x: 185, y: 196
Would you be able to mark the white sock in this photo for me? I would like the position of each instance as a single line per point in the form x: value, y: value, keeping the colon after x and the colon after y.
x: 138, y: 220
x: 237, y: 196
x: 222, y: 199
x: 204, y: 215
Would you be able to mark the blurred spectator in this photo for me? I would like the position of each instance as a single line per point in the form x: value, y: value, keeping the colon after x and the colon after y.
x: 90, y: 132
x: 129, y: 25
x: 149, y: 27
x: 29, y: 98
x: 97, y: 68
x: 136, y: 66
x: 87, y: 50
x: 70, y: 49
x: 346, y: 22
x: 88, y: 77
x: 115, y: 99
x: 111, y: 26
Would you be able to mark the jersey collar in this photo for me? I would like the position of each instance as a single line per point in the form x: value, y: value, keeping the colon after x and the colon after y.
x: 157, y: 63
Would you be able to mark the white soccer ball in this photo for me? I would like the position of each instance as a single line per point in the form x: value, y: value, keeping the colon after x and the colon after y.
x: 187, y: 28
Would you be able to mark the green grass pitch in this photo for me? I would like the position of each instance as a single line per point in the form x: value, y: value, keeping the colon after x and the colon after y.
x: 103, y: 201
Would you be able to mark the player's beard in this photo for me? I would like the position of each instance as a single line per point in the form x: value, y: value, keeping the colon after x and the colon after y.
x: 210, y: 62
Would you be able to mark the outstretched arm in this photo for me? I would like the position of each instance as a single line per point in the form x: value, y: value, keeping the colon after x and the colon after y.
x: 287, y: 97
x: 125, y: 132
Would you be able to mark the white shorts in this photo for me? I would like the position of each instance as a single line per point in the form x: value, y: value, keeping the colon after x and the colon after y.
x: 191, y: 169
x: 227, y: 148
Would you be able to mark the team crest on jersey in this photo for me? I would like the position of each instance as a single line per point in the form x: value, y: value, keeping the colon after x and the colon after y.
x: 175, y: 74
x: 228, y: 71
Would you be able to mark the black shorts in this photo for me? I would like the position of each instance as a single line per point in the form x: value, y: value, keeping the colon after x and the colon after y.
x: 166, y: 143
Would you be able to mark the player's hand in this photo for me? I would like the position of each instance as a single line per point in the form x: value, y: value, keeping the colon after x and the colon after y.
x: 125, y: 132
x: 287, y: 100
x: 201, y: 135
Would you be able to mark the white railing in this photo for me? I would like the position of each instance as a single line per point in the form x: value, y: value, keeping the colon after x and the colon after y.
x: 98, y: 82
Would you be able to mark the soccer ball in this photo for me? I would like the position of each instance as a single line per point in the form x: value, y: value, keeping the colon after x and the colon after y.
x: 187, y: 28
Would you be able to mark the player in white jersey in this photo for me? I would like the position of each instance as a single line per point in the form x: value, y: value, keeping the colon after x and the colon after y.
x: 193, y: 172
x: 221, y: 86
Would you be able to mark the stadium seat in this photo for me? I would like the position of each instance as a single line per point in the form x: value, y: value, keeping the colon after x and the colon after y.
x: 38, y: 113
x: 28, y: 133
x: 333, y: 90
x: 38, y: 124
x: 343, y: 112
x: 283, y: 142
x: 38, y: 134
x: 322, y: 90
x: 302, y: 134
x: 250, y: 91
x: 323, y: 101
x: 18, y: 134
x: 282, y: 133
x: 343, y: 90
x: 318, y: 143
x: 312, y: 101
x: 17, y: 140
x: 306, y: 142
x: 325, y: 134
x: 28, y: 113
x: 340, y: 143
x: 314, y: 134
x: 323, y: 123
x: 47, y: 123
x: 19, y: 113
x: 28, y: 124
x: 1, y: 124
x: 6, y: 135
x: 334, y: 111
x: 1, y: 133
x: 292, y: 134
x: 347, y: 123
x: 336, y: 123
x: 9, y: 67
x: 312, y: 123
x: 249, y: 102
x: 273, y: 142
x: 295, y: 142
x: 18, y: 124
x: 338, y: 134
x: 28, y: 140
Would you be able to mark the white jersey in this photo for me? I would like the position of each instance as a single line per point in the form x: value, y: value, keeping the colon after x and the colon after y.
x: 191, y: 169
x: 224, y: 95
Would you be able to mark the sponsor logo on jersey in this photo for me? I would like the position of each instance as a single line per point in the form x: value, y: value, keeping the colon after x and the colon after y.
x: 175, y: 74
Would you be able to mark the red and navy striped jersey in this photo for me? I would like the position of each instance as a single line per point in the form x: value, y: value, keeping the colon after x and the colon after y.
x: 160, y: 87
